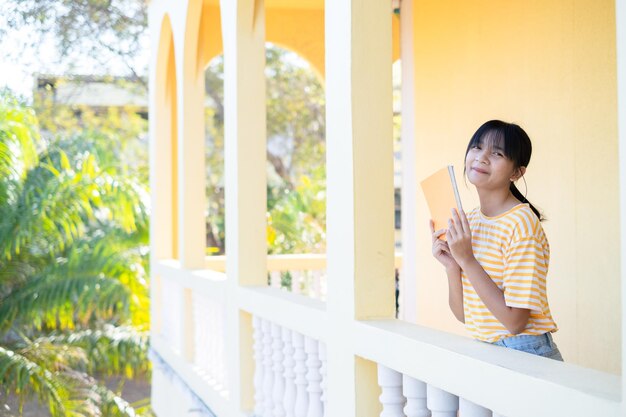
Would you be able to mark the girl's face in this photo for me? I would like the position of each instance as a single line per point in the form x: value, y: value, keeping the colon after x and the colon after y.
x: 486, y: 165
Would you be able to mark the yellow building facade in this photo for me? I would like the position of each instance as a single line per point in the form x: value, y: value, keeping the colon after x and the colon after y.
x: 226, y: 343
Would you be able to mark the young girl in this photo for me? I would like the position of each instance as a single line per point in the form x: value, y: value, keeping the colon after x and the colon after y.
x: 497, y: 257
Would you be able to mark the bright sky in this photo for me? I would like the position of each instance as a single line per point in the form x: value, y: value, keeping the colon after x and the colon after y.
x: 19, y: 61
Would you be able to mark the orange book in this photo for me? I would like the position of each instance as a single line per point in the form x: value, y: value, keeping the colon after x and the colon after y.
x: 442, y: 195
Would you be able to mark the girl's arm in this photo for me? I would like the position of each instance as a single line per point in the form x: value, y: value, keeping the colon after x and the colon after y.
x: 441, y: 252
x: 455, y: 293
x: 460, y: 243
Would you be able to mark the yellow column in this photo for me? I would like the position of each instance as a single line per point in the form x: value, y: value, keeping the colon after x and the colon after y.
x: 191, y: 165
x: 359, y: 186
x: 243, y: 32
x: 620, y: 16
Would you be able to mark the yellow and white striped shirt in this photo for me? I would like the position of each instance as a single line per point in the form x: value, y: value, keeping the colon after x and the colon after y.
x: 512, y: 248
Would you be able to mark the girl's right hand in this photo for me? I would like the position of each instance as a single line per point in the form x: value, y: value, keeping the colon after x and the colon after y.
x: 441, y: 251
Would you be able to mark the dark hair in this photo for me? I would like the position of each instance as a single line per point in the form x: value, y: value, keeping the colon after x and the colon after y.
x: 516, y: 145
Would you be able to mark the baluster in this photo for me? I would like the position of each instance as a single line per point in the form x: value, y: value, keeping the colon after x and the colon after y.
x: 415, y: 392
x: 279, y: 381
x: 317, y: 284
x: 391, y: 398
x: 275, y: 279
x: 313, y: 377
x: 289, y: 363
x: 296, y: 277
x: 441, y: 403
x: 302, y: 398
x: 324, y: 373
x: 258, y: 365
x: 268, y: 409
x: 470, y: 409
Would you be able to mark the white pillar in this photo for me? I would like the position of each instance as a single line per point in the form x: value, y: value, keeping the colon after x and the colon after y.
x: 441, y: 403
x: 620, y: 17
x: 313, y: 378
x: 470, y: 409
x: 289, y: 363
x: 415, y: 392
x: 359, y: 164
x: 392, y: 400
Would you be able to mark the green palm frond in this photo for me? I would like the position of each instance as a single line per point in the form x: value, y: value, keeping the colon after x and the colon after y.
x: 111, y: 350
x: 62, y: 301
x: 28, y: 379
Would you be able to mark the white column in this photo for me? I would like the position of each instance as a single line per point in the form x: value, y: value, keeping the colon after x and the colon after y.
x: 359, y: 164
x: 289, y: 363
x: 470, y: 409
x: 302, y: 398
x: 392, y: 400
x: 313, y: 378
x: 415, y: 392
x: 279, y: 380
x: 258, y: 366
x: 441, y: 403
x: 620, y: 17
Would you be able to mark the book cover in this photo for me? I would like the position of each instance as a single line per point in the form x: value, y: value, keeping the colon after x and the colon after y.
x: 442, y: 195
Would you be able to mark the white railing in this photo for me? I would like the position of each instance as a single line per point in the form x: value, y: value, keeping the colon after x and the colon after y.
x: 421, y: 372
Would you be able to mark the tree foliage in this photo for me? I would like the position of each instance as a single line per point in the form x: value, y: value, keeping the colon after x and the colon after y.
x: 73, y: 281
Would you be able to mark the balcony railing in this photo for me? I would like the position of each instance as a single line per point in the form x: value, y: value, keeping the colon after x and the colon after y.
x: 421, y: 371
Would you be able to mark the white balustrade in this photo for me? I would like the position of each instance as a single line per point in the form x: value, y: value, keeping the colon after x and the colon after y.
x: 268, y: 376
x: 391, y: 398
x: 414, y: 391
x: 279, y: 380
x: 314, y: 378
x: 302, y: 397
x: 258, y: 366
x: 470, y: 409
x: 441, y: 403
x: 289, y: 363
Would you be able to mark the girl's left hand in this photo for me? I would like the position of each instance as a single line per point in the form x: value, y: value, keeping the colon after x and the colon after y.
x: 459, y: 238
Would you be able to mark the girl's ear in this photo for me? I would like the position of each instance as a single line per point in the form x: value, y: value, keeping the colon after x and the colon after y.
x: 519, y: 173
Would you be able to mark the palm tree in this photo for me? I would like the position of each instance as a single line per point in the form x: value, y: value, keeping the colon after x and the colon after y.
x: 73, y: 290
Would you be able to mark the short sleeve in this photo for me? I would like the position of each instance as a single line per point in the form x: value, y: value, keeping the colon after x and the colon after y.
x: 524, y: 279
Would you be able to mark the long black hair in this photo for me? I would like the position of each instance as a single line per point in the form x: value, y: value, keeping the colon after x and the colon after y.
x: 516, y: 145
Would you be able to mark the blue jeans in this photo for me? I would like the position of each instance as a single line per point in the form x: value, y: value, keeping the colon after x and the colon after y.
x: 541, y: 345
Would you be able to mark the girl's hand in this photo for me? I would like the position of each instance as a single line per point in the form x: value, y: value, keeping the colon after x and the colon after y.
x: 441, y: 251
x: 459, y: 238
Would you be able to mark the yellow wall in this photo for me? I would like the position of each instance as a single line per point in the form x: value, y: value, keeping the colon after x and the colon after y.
x: 549, y: 66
